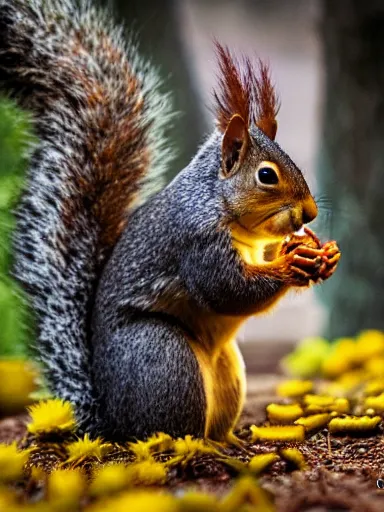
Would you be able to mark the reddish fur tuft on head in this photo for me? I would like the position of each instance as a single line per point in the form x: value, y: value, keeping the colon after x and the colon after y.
x: 245, y: 89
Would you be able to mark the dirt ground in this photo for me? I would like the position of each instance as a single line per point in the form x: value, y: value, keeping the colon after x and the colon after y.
x: 341, y: 471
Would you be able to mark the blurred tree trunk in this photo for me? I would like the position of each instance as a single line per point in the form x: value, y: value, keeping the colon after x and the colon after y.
x: 159, y: 34
x: 352, y: 161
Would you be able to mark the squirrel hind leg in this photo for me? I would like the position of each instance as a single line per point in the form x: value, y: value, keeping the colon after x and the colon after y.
x: 152, y: 382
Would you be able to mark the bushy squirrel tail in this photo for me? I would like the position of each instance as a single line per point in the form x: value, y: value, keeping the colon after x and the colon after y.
x: 100, y: 120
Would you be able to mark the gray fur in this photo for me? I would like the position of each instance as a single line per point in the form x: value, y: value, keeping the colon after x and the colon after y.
x: 147, y: 379
x: 57, y: 263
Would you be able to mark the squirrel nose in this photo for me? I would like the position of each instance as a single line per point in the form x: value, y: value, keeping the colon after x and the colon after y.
x: 309, y: 210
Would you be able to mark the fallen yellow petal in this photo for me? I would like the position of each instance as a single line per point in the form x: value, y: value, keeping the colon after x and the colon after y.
x: 374, y: 387
x: 341, y: 357
x: 314, y: 421
x: 294, y: 388
x: 278, y: 433
x: 295, y: 456
x: 369, y: 344
x: 284, y: 413
x: 246, y: 490
x: 341, y: 408
x: 354, y: 423
x: 340, y: 405
x: 325, y: 403
x: 259, y: 463
x: 375, y: 402
x: 319, y: 400
x: 375, y: 367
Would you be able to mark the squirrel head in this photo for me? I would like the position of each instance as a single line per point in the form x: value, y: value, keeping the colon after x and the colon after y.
x: 263, y: 190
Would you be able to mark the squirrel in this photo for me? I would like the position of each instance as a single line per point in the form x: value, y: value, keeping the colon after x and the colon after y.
x: 138, y: 289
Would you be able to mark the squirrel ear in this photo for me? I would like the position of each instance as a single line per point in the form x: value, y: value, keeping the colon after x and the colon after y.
x: 234, y: 145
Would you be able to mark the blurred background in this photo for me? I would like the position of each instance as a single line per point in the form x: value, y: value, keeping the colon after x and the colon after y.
x: 327, y: 61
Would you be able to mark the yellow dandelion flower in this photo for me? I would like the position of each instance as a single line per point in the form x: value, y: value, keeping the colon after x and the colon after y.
x: 190, y: 445
x: 137, y: 501
x: 12, y: 461
x: 147, y: 472
x: 313, y: 422
x: 141, y: 450
x: 87, y: 449
x: 354, y: 423
x: 160, y: 442
x: 284, y: 413
x: 144, y: 450
x: 294, y: 456
x: 294, y: 388
x: 259, y: 463
x: 109, y: 479
x: 278, y: 433
x: 186, y: 448
x: 65, y: 487
x: 51, y: 415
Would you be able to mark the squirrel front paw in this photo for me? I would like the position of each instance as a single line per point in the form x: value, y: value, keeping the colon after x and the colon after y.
x: 331, y: 257
x: 308, y: 260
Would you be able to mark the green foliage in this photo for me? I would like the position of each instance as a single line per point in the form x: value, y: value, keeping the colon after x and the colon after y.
x: 15, y: 141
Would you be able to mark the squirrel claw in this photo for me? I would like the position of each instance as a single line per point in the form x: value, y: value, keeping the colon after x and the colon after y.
x: 334, y: 259
x: 328, y: 272
x: 300, y: 273
x: 310, y: 252
x: 307, y: 262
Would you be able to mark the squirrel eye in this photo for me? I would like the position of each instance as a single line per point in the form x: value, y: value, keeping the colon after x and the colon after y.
x: 267, y: 176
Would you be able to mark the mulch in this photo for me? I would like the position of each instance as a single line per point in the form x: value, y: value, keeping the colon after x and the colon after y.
x: 342, y: 470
